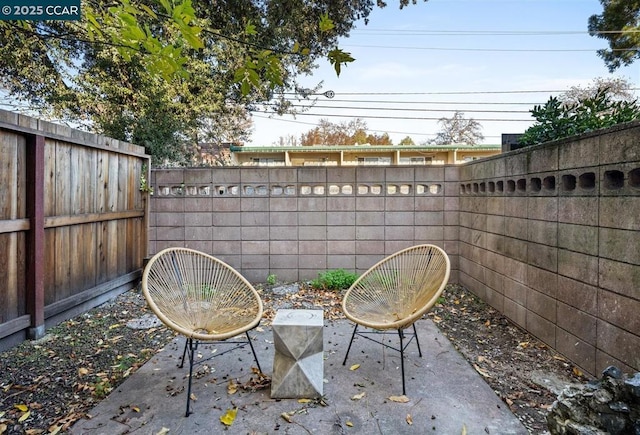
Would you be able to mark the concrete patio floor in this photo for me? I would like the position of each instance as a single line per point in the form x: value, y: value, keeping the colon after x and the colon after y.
x: 446, y: 395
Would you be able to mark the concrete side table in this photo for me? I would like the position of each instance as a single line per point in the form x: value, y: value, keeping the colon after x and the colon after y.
x: 298, y: 363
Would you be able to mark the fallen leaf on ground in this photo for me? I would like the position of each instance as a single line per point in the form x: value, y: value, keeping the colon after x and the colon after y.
x: 358, y: 396
x: 193, y: 397
x: 481, y: 371
x: 577, y: 371
x: 354, y: 367
x: 163, y: 431
x: 83, y: 371
x: 304, y: 400
x: 3, y: 428
x: 409, y: 419
x: 22, y: 407
x: 399, y: 399
x: 464, y: 429
x: 232, y: 388
x: 348, y: 423
x: 24, y: 416
x: 229, y: 416
x: 287, y: 417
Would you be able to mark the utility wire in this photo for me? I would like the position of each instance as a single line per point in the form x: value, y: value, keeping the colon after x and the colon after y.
x: 407, y: 109
x: 405, y: 32
x: 450, y: 92
x: 340, y: 100
x: 507, y: 50
x: 333, y: 115
x: 314, y: 124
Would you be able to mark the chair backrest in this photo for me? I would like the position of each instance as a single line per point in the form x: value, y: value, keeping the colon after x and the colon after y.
x: 399, y: 289
x: 199, y: 295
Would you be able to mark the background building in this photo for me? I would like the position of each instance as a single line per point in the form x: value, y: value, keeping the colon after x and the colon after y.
x: 353, y: 155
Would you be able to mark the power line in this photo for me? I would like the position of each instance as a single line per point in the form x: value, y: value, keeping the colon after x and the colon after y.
x: 406, y: 32
x: 451, y: 92
x: 333, y: 115
x: 313, y: 124
x: 408, y: 109
x: 507, y: 50
x: 340, y: 100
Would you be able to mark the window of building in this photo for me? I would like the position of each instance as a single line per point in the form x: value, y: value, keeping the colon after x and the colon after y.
x: 374, y: 160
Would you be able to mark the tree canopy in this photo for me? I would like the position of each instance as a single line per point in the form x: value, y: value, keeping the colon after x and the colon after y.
x: 458, y: 129
x: 168, y: 75
x: 352, y: 132
x: 580, y: 111
x: 619, y: 25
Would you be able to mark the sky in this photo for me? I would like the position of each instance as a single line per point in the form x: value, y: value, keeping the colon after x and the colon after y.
x: 493, y: 60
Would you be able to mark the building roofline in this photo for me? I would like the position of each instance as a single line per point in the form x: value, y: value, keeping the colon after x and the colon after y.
x: 432, y: 148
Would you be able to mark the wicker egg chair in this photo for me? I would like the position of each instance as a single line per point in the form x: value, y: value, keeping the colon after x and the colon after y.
x: 394, y: 293
x: 202, y: 298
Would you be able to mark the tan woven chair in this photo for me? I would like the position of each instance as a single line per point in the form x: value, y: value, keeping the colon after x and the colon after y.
x: 202, y: 298
x: 394, y: 293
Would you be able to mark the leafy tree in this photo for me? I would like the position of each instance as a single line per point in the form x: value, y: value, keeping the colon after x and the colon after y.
x: 379, y: 139
x: 556, y: 120
x: 163, y: 72
x: 617, y: 88
x: 407, y: 141
x: 458, y: 130
x: 343, y: 133
x: 618, y: 24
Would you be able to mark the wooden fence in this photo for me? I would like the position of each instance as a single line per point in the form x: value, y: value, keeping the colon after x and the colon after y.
x: 73, y: 223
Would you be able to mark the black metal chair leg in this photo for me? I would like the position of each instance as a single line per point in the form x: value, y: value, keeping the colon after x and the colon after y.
x: 184, y: 352
x: 253, y: 350
x: 355, y: 328
x: 415, y: 332
x: 401, y: 334
x: 191, y: 358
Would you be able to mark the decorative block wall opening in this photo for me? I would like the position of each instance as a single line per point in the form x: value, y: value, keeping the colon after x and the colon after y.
x: 587, y: 181
x: 492, y: 186
x: 435, y: 189
x: 277, y: 190
x: 483, y: 187
x: 536, y: 184
x: 403, y: 189
x: 568, y: 183
x: 549, y: 182
x: 462, y: 189
x: 511, y: 186
x: 521, y: 185
x: 500, y: 186
x: 347, y: 189
x: 634, y: 178
x: 613, y: 180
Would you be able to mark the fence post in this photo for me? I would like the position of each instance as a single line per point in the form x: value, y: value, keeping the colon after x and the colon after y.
x: 35, y: 236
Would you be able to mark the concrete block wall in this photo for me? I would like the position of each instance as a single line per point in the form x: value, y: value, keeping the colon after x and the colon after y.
x: 296, y: 222
x: 549, y: 236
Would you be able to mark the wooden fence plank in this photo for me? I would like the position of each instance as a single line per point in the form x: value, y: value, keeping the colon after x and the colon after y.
x: 87, y: 223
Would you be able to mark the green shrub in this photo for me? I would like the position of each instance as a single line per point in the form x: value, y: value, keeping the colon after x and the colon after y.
x: 272, y: 279
x: 336, y: 279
